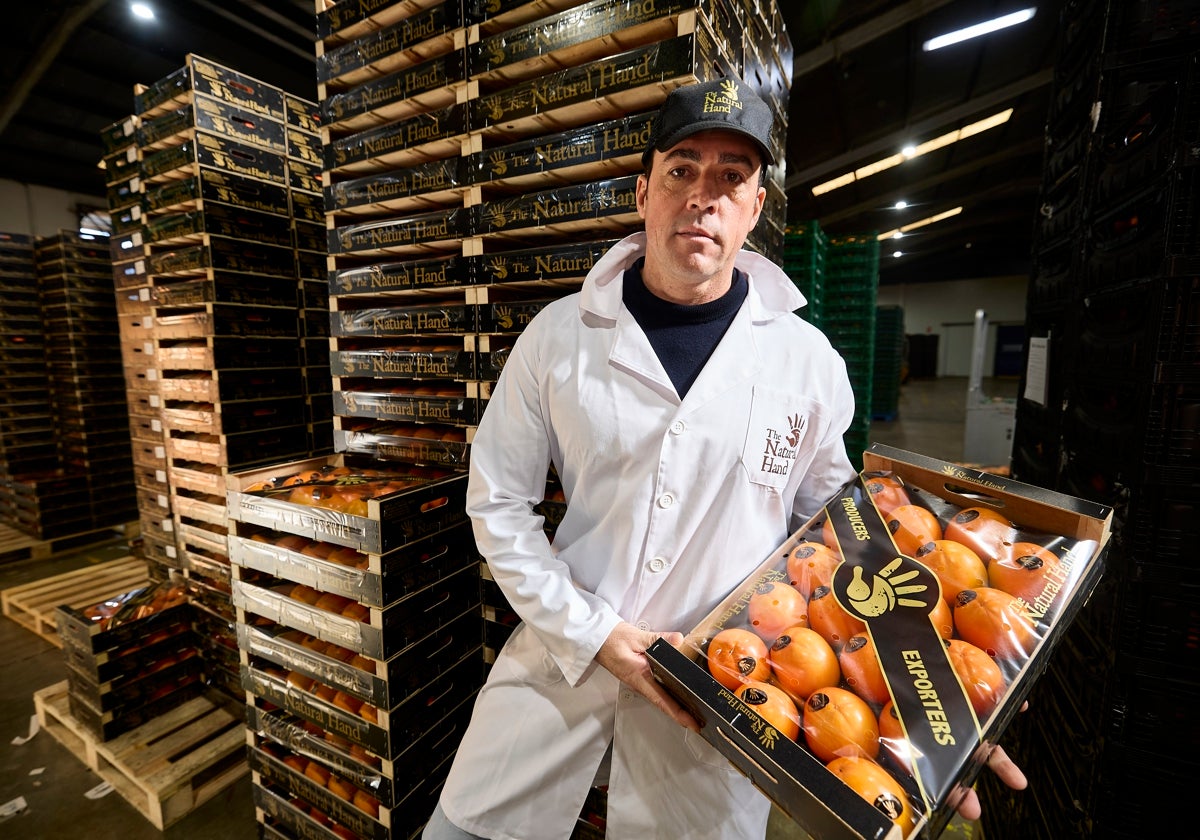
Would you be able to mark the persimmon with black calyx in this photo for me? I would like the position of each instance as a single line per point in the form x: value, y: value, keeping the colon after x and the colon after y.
x: 911, y: 527
x: 831, y: 620
x: 811, y: 564
x: 803, y: 662
x: 979, y: 674
x: 942, y: 618
x: 982, y: 529
x: 837, y: 722
x: 772, y: 704
x: 956, y: 566
x: 995, y: 621
x: 774, y: 607
x: 892, y: 738
x: 861, y: 670
x: 886, y: 491
x: 876, y: 786
x: 1023, y: 570
x: 736, y: 657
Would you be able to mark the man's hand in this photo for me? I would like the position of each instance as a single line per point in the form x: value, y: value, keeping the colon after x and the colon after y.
x: 1006, y: 770
x: 623, y: 654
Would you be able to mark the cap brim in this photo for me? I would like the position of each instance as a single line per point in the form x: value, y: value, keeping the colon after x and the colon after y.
x: 696, y: 127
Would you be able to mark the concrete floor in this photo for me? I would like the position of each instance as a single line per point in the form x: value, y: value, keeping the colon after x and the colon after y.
x: 53, y: 782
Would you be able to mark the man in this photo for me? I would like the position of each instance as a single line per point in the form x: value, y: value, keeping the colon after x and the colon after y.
x: 652, y: 392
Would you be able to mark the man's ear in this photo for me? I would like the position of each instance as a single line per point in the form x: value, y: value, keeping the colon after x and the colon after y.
x: 643, y: 184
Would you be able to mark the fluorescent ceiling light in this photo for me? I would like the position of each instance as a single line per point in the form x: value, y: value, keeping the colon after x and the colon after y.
x: 897, y: 254
x: 142, y: 10
x: 900, y: 205
x: 897, y: 233
x: 911, y: 152
x: 988, y: 26
x: 87, y: 231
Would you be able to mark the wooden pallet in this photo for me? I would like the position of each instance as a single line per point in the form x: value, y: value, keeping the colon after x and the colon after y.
x: 165, y: 768
x: 17, y: 545
x: 32, y: 605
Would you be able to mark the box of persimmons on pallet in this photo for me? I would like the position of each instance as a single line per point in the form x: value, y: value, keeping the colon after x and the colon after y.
x: 862, y: 674
x: 357, y: 503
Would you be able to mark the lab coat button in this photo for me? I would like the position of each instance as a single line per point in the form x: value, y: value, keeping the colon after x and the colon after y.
x: 666, y: 500
x: 626, y: 695
x: 677, y: 427
x: 657, y: 564
x: 642, y: 625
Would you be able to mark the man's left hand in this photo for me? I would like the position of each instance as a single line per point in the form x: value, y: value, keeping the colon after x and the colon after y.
x: 623, y: 654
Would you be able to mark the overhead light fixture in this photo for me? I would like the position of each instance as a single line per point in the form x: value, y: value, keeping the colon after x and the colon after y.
x: 897, y: 254
x: 978, y: 29
x: 900, y: 205
x: 142, y: 10
x: 916, y: 151
x: 87, y: 231
x: 897, y: 233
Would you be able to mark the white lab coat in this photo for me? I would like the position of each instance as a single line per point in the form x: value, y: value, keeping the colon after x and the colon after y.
x: 670, y: 506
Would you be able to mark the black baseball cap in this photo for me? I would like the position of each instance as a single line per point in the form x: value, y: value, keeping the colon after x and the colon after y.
x: 727, y: 104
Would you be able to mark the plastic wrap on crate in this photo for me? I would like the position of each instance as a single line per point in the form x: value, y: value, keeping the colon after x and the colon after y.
x: 444, y: 446
x: 379, y: 632
x: 362, y: 507
x: 385, y: 683
x: 392, y: 733
x: 899, y: 598
x: 410, y: 359
x: 595, y: 148
x: 371, y: 579
x: 400, y: 42
x: 611, y: 201
x: 400, y: 276
x: 406, y: 401
x: 380, y: 320
x: 430, y: 84
x: 604, y: 84
x: 399, y: 235
x: 425, y: 184
x: 384, y: 146
x: 566, y: 262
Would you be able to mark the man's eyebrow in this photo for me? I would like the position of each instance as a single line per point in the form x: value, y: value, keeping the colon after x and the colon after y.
x: 733, y: 157
x: 688, y: 153
x: 685, y: 152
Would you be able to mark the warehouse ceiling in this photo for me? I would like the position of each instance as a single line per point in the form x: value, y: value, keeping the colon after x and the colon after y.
x: 863, y: 88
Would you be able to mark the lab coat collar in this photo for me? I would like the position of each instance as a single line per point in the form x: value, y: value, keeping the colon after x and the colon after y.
x: 772, y: 292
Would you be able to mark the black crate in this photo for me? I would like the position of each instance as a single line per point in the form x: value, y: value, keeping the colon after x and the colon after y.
x: 1159, y: 629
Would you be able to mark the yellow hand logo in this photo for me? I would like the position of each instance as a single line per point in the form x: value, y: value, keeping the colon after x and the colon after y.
x: 883, y: 594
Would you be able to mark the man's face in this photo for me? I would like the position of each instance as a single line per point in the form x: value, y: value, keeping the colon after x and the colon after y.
x: 700, y: 201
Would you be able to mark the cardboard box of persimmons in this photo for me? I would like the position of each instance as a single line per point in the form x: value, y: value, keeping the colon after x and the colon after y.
x: 861, y: 675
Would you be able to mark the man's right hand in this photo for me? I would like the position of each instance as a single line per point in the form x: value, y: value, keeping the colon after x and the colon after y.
x: 623, y: 654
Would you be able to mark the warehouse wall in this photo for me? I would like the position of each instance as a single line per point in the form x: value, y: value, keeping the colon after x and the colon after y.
x: 948, y: 311
x: 40, y: 211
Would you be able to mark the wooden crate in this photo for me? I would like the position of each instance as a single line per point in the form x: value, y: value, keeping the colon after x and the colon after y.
x: 17, y: 545
x: 165, y: 768
x: 32, y: 605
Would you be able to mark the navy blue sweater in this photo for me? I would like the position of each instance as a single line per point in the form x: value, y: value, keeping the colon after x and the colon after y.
x: 683, y: 336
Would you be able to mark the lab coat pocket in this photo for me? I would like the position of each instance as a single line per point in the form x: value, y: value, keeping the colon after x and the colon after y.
x: 706, y: 753
x: 778, y: 426
x: 526, y: 661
